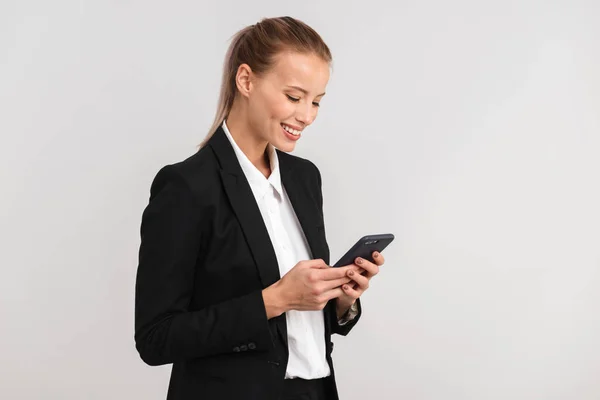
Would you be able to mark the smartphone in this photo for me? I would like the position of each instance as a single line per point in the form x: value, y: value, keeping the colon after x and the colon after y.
x: 365, y: 247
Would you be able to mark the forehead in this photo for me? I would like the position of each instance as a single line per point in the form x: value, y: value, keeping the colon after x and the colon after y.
x: 308, y: 71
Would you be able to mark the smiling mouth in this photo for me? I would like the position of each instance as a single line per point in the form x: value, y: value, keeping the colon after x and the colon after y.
x: 290, y: 133
x: 291, y: 130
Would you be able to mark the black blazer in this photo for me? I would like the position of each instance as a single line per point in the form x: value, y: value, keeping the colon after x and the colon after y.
x: 204, y: 259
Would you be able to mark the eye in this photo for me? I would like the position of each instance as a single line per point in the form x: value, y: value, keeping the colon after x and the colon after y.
x: 295, y: 100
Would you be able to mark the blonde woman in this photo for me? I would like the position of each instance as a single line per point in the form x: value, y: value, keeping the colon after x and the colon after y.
x: 233, y: 284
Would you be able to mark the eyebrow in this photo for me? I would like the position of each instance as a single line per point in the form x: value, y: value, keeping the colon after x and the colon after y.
x: 304, y: 91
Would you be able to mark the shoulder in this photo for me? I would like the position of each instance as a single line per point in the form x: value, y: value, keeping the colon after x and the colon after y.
x: 194, y: 173
x: 305, y: 166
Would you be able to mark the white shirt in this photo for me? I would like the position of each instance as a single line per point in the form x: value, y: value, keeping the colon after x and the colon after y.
x: 305, y: 329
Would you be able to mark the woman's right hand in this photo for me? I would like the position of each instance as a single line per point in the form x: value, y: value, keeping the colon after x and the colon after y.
x: 309, y: 285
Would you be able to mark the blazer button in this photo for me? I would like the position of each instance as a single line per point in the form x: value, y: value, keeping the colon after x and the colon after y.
x: 243, y: 347
x: 236, y: 349
x: 251, y: 346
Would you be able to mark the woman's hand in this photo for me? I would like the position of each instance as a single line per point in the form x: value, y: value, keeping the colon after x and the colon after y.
x: 361, y: 278
x: 309, y: 285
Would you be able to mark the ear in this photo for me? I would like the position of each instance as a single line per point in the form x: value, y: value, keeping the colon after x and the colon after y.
x: 244, y: 79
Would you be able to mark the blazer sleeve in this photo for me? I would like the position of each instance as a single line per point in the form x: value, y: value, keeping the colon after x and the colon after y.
x: 346, y: 327
x: 166, y: 330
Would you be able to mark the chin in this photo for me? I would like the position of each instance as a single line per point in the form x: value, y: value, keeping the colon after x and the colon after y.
x: 285, y: 146
x: 282, y: 142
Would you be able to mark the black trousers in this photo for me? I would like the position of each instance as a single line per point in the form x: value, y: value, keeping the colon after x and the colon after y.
x: 302, y: 389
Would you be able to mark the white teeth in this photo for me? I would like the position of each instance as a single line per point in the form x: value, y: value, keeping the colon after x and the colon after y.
x: 292, y: 131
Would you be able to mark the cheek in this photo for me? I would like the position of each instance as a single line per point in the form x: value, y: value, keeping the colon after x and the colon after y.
x: 281, y: 110
x: 258, y: 112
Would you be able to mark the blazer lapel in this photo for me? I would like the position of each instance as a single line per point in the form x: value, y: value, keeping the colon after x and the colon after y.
x: 246, y: 209
x: 299, y: 191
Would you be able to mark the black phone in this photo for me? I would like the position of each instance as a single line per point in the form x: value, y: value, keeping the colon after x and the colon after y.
x: 365, y: 247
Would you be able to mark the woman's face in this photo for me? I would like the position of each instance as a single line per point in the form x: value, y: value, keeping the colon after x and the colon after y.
x: 285, y: 100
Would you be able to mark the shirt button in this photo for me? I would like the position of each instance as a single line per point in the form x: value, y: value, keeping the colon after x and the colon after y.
x: 251, y: 346
x: 243, y: 347
x: 236, y: 349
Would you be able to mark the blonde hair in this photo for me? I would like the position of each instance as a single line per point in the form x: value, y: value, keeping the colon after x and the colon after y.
x: 257, y: 45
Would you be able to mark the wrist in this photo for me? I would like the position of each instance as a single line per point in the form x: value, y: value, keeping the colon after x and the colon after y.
x: 342, y: 307
x: 275, y: 303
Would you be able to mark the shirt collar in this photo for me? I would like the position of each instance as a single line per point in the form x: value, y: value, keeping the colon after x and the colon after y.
x: 258, y: 183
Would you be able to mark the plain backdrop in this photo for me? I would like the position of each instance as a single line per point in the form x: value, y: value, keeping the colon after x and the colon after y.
x: 469, y: 129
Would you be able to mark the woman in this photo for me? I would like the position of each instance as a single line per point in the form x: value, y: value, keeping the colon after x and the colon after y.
x: 233, y: 285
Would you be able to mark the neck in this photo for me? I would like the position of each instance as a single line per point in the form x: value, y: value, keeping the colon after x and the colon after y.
x: 251, y: 144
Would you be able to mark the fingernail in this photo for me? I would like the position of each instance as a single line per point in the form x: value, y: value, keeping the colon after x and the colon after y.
x: 345, y: 287
x: 350, y: 272
x: 376, y: 255
x: 359, y: 261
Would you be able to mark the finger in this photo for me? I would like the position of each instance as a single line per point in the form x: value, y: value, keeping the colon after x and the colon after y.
x: 362, y: 282
x: 318, y: 263
x: 333, y: 273
x: 349, y: 290
x: 336, y: 283
x: 353, y: 266
x: 333, y: 293
x: 378, y: 258
x: 356, y: 269
x: 372, y: 269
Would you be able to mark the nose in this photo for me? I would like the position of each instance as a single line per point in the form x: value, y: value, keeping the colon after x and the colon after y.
x: 306, y: 115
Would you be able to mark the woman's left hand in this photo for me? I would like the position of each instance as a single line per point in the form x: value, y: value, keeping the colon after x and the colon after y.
x: 360, y: 279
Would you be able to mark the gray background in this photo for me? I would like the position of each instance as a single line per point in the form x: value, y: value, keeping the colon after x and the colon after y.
x: 469, y: 129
